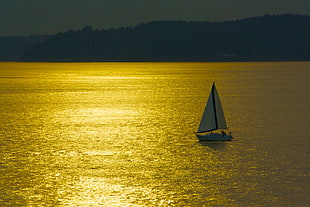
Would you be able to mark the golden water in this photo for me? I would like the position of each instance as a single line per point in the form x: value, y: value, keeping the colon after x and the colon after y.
x: 121, y: 134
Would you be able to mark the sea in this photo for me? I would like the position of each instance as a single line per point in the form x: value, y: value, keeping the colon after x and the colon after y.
x: 122, y: 134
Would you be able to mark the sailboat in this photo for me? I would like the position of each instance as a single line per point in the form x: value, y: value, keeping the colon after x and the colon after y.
x: 213, y: 119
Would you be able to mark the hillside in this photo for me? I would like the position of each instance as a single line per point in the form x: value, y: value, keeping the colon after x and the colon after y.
x: 13, y: 47
x: 267, y: 38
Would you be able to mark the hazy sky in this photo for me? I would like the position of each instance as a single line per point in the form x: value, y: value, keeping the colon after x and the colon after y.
x: 22, y: 17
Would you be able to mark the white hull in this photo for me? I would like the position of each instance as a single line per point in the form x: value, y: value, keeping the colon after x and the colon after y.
x: 214, y: 137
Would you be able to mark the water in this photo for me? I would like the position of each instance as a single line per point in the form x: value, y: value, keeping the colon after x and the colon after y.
x: 121, y: 134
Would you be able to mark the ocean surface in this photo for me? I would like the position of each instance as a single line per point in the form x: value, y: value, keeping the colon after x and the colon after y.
x: 121, y: 134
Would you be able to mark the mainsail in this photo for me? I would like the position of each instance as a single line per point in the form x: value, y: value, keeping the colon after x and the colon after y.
x: 213, y: 116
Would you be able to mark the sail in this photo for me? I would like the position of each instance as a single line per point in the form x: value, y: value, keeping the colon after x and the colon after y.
x: 213, y: 116
x: 221, y: 123
x: 208, y: 122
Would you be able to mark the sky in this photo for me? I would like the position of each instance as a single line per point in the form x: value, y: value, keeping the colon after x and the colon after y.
x: 25, y: 17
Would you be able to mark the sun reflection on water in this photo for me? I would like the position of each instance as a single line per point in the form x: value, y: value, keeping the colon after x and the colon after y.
x: 121, y: 134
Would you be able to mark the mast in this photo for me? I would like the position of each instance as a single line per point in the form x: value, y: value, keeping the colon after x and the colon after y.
x: 214, y: 106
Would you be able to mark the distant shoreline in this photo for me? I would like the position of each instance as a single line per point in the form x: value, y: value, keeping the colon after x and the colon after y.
x: 258, y: 39
x: 254, y: 61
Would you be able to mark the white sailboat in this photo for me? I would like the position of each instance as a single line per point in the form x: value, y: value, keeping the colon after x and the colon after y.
x: 213, y: 119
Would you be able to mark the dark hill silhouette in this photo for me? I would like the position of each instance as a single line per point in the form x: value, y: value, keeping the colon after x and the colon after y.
x: 12, y: 47
x: 266, y: 38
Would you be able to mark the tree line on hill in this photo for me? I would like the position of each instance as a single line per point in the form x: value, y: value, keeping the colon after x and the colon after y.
x: 267, y: 38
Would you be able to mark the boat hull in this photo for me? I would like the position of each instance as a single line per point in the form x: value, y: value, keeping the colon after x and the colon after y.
x: 214, y: 137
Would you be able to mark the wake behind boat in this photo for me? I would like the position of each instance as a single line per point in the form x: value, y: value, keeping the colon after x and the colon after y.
x: 213, y: 119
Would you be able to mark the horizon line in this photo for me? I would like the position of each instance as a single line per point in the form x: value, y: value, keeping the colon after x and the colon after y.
x: 152, y: 21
